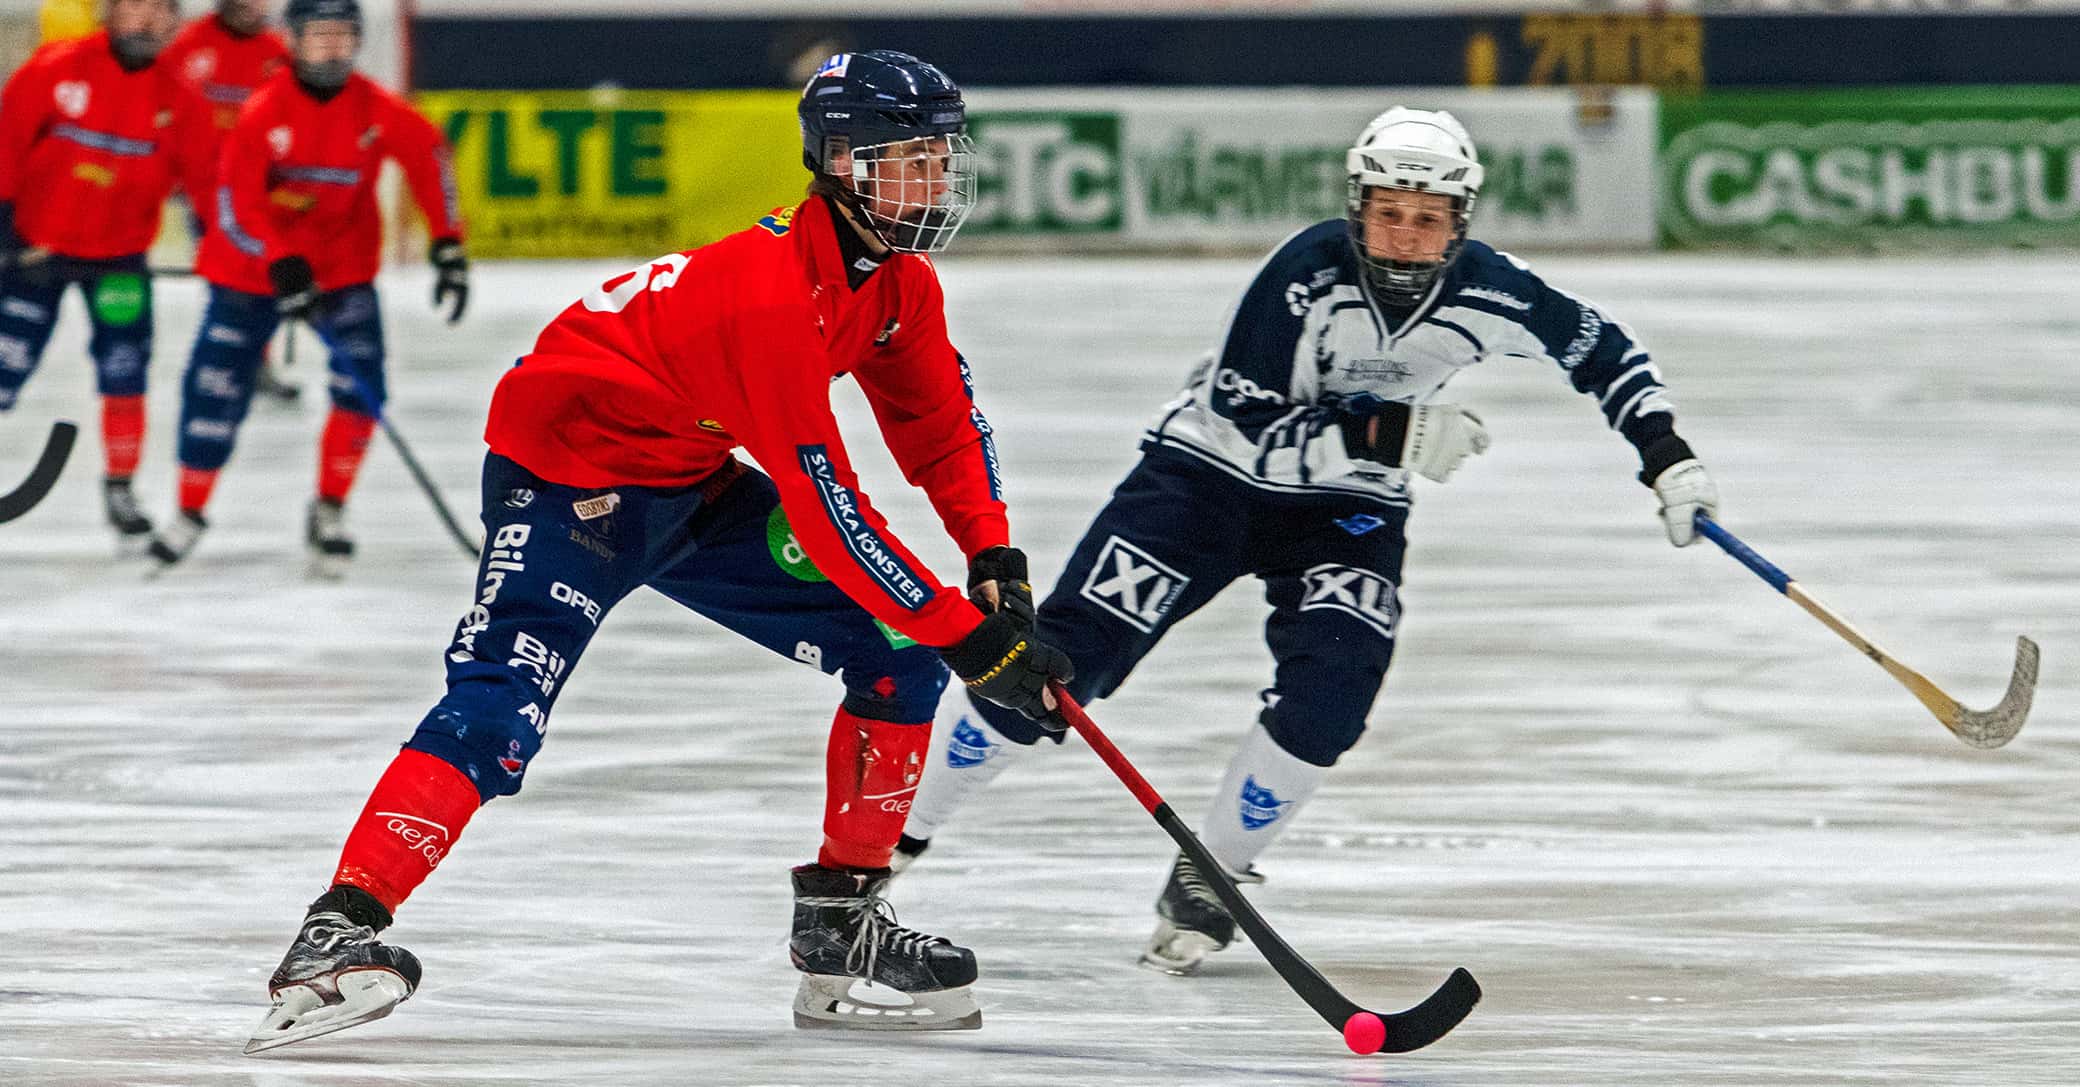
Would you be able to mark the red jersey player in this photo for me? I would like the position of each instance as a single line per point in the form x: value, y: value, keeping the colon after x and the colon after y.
x: 226, y: 56
x: 611, y: 469
x: 94, y: 132
x: 295, y: 232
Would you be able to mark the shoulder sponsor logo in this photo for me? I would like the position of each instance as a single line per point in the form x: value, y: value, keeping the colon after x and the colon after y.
x: 201, y: 63
x: 1300, y: 295
x: 1499, y: 297
x: 1260, y: 806
x: 1133, y: 585
x: 1359, y: 593
x: 279, y: 139
x: 710, y: 424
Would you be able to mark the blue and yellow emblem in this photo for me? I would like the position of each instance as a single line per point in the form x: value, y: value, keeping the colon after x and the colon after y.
x: 779, y: 221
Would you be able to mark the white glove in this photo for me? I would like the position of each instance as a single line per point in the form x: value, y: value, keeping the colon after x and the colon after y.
x: 1440, y: 436
x: 1685, y: 490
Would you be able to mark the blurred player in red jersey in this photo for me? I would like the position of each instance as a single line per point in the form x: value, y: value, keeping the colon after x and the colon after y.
x: 295, y: 232
x: 226, y: 55
x: 94, y: 132
x: 611, y: 469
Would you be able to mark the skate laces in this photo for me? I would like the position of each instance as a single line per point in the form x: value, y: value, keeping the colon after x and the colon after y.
x: 1194, y: 884
x: 324, y: 935
x: 877, y: 929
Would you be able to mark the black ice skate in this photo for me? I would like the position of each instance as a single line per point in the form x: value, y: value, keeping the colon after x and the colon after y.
x: 325, y: 534
x: 1191, y: 923
x: 133, y: 528
x: 861, y: 970
x: 179, y: 537
x: 336, y: 974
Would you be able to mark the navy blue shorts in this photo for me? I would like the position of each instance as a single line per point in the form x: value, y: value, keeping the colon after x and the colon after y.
x: 557, y: 559
x: 1176, y: 533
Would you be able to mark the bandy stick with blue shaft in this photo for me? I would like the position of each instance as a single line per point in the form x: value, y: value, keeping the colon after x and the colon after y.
x: 1979, y: 728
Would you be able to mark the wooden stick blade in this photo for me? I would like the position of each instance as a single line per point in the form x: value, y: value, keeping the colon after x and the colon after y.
x: 1992, y: 728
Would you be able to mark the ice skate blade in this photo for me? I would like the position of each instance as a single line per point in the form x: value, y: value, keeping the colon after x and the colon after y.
x: 829, y: 1002
x: 1178, y: 951
x: 300, y: 1013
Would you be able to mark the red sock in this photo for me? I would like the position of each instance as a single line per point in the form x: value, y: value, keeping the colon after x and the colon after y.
x: 122, y: 434
x: 871, y: 776
x: 196, y: 485
x: 412, y: 819
x: 340, y: 452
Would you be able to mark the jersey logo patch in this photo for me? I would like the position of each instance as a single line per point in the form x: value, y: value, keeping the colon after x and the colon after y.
x: 1260, y: 806
x: 779, y: 221
x: 72, y: 97
x: 1359, y: 593
x: 968, y: 746
x: 1133, y: 585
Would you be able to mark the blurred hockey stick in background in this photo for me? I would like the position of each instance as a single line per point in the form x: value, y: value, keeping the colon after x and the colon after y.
x: 1979, y: 728
x: 470, y: 546
x: 1363, y: 1031
x: 44, y: 475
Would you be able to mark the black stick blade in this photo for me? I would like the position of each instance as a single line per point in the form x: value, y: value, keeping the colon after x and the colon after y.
x: 1432, y: 1019
x: 42, y: 477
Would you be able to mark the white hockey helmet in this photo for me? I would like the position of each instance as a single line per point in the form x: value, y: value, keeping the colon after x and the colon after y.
x: 1413, y: 150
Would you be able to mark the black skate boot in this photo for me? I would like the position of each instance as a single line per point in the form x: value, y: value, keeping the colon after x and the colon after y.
x: 180, y: 536
x: 133, y: 528
x: 1191, y: 923
x: 336, y: 974
x: 861, y: 970
x: 325, y: 533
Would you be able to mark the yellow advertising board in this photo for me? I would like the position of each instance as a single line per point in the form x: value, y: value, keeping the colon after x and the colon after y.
x: 613, y: 173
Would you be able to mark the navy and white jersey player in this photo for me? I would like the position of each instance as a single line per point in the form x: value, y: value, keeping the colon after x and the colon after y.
x: 1289, y: 457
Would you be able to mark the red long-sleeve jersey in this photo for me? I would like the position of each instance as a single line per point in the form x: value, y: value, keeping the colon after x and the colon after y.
x: 654, y: 377
x: 90, y: 151
x: 224, y: 66
x: 297, y: 177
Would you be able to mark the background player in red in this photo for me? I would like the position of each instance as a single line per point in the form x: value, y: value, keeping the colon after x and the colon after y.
x: 295, y: 232
x: 226, y: 55
x: 611, y: 469
x: 94, y: 132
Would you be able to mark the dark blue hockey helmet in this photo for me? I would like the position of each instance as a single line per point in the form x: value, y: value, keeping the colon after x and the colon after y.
x: 300, y: 12
x: 891, y: 130
x: 325, y: 74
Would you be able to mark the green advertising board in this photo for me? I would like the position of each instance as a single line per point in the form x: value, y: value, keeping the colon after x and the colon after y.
x: 1871, y: 168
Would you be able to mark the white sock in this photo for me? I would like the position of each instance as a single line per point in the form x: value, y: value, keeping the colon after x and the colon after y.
x: 1262, y: 791
x: 967, y: 755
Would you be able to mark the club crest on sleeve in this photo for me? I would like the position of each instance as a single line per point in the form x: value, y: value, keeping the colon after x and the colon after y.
x: 779, y: 221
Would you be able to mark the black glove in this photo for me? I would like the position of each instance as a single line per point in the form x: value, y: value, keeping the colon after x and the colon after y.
x: 451, y: 277
x: 1006, y: 566
x: 295, y: 287
x: 1002, y: 661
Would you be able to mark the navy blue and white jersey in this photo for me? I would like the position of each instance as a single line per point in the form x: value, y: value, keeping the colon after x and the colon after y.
x: 1307, y: 348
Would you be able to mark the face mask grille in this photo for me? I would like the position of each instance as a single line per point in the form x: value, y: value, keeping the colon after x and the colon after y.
x: 915, y: 194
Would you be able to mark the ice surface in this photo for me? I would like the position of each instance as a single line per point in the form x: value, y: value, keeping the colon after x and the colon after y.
x: 1681, y: 833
